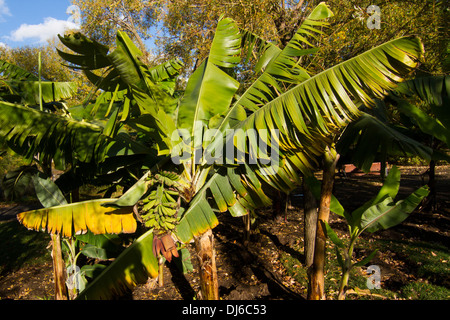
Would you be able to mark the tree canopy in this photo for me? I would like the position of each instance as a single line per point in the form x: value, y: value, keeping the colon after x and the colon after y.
x: 184, y: 29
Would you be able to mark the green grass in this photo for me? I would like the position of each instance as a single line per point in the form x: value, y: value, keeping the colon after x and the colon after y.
x: 427, y: 262
x: 332, y: 277
x: 20, y: 247
x: 425, y: 291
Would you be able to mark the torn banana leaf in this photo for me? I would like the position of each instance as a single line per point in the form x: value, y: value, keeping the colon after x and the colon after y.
x: 77, y: 218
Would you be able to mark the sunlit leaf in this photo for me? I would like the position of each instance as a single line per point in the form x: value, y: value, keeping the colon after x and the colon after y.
x: 77, y: 218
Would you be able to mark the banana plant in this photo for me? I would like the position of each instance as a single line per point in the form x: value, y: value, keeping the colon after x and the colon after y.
x: 70, y: 141
x: 379, y: 213
x: 31, y: 133
x: 20, y: 86
x: 89, y: 137
x: 196, y: 114
x: 137, y: 73
x: 430, y: 114
x: 305, y: 110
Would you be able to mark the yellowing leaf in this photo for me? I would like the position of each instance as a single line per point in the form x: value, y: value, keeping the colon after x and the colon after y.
x: 77, y: 218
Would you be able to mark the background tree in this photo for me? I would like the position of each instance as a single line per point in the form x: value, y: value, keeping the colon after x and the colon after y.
x: 101, y: 20
x: 351, y: 35
x: 181, y: 28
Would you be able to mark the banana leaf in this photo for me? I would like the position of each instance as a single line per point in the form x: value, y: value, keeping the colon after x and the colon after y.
x: 433, y: 90
x: 368, y: 137
x: 388, y: 213
x: 209, y: 80
x: 28, y: 91
x: 133, y: 266
x: 47, y: 191
x: 325, y: 103
x: 380, y: 212
x: 427, y: 123
x: 13, y: 72
x: 124, y: 69
x: 281, y: 67
x: 77, y: 218
x: 28, y: 132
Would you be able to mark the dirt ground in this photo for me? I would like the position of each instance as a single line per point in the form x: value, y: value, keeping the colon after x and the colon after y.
x: 254, y: 271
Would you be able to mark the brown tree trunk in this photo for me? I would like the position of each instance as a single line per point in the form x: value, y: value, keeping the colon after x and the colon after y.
x: 310, y: 219
x: 247, y: 219
x: 204, y: 246
x: 161, y: 273
x: 58, y: 269
x: 316, y: 288
x: 57, y: 257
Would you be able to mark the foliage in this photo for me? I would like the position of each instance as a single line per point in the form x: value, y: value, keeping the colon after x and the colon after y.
x: 306, y: 110
x: 417, y: 257
x: 17, y: 182
x: 374, y: 136
x: 133, y: 266
x: 10, y: 162
x: 434, y: 93
x: 351, y: 35
x: 397, y: 124
x: 71, y: 219
x: 188, y: 27
x: 379, y: 213
x: 198, y: 206
x: 59, y: 217
x: 26, y: 58
x: 73, y: 142
x: 182, y: 28
x: 28, y: 132
x: 52, y: 68
x: 18, y: 85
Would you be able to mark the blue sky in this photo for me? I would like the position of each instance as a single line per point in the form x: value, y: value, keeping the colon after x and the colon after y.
x: 32, y: 22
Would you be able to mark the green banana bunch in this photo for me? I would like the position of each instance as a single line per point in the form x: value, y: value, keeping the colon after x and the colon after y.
x: 160, y: 209
x: 167, y: 178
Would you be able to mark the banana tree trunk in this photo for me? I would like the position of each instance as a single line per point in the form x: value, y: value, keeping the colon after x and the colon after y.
x: 247, y: 228
x: 204, y: 246
x: 58, y: 269
x: 310, y: 219
x: 57, y: 257
x: 316, y: 287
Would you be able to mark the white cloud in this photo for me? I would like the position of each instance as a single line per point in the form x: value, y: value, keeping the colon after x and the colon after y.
x: 42, y: 31
x: 3, y: 45
x: 4, y: 11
